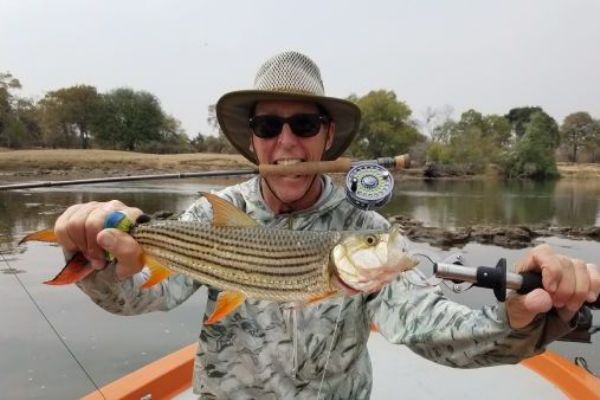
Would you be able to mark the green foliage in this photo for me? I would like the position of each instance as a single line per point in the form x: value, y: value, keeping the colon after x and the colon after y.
x: 473, y: 142
x: 68, y: 115
x: 129, y: 118
x: 212, y: 144
x: 18, y: 125
x: 578, y: 131
x: 385, y: 128
x: 519, y: 117
x: 533, y: 155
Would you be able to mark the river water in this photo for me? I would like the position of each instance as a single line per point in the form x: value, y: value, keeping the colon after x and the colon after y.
x: 35, y: 364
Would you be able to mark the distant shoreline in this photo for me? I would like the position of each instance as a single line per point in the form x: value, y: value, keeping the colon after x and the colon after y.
x: 61, y: 164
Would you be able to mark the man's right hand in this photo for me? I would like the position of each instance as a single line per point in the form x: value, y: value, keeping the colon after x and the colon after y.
x: 81, y: 229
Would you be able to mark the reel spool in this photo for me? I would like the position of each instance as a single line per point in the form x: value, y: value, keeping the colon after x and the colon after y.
x: 369, y: 185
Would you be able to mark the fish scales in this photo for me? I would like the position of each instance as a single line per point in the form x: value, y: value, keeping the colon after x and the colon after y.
x: 262, y: 263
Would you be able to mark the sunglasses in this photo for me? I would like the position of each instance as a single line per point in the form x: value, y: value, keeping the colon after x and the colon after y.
x: 302, y: 125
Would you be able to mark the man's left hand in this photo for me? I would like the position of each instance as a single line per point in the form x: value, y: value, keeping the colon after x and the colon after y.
x: 568, y: 284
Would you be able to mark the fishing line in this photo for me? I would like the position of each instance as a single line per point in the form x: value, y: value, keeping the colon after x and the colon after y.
x: 35, y: 303
x: 337, y: 320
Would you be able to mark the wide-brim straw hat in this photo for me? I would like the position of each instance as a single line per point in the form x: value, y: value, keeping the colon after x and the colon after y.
x: 286, y: 76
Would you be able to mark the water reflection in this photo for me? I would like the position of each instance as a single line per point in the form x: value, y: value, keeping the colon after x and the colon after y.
x: 26, y: 211
x: 491, y: 202
x: 435, y: 203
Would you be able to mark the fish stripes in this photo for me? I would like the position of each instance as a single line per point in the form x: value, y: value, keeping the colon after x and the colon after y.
x: 262, y: 263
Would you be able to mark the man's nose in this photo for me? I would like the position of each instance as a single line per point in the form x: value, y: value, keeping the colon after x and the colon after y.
x: 287, y: 136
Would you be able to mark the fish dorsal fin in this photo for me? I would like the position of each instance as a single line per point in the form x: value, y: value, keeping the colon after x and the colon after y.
x: 227, y: 302
x: 226, y: 214
x: 158, y: 272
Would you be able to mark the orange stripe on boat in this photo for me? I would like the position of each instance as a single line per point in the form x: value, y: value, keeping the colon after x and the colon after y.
x: 162, y: 379
x: 572, y: 380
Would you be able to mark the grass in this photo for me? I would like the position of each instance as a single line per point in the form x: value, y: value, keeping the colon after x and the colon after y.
x: 68, y: 159
x: 579, y: 170
x: 77, y: 162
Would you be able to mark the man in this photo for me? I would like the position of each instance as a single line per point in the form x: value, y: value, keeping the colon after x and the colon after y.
x: 272, y: 351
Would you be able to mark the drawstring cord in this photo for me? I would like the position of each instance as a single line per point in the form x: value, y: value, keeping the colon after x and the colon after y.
x: 333, y: 337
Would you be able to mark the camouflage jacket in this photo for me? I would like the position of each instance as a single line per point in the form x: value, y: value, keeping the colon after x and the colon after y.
x: 267, y: 350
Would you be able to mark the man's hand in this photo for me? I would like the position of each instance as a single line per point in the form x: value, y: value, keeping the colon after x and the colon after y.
x: 80, y: 228
x: 568, y: 284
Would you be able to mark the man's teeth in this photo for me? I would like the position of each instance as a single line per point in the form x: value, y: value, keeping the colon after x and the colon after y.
x: 287, y: 162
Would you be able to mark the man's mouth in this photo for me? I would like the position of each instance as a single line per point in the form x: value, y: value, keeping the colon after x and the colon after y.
x: 288, y: 161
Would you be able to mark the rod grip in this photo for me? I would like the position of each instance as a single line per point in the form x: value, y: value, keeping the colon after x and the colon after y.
x: 533, y: 280
x: 306, y: 168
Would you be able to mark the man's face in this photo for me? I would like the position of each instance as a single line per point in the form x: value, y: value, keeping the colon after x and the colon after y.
x: 289, y: 148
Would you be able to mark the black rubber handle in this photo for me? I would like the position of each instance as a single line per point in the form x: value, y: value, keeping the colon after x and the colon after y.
x: 533, y: 280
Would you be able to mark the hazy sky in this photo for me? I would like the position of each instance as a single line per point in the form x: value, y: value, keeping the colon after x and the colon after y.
x: 490, y: 55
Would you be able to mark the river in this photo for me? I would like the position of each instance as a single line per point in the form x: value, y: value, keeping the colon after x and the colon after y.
x: 36, y: 365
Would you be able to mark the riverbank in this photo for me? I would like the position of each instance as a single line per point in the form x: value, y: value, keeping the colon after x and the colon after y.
x: 33, y: 165
x: 49, y: 164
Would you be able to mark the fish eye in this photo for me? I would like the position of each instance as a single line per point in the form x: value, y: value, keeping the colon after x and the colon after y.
x: 371, y: 240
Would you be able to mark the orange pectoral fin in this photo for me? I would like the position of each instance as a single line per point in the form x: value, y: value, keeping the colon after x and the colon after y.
x: 321, y: 296
x: 158, y: 272
x: 47, y: 235
x: 76, y: 269
x: 227, y: 302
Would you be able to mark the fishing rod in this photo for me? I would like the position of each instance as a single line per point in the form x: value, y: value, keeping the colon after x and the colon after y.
x: 498, y: 279
x: 369, y: 183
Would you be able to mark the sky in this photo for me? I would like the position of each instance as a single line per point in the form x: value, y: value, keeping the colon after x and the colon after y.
x: 490, y: 55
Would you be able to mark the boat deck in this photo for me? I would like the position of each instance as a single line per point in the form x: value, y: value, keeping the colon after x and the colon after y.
x: 399, y: 373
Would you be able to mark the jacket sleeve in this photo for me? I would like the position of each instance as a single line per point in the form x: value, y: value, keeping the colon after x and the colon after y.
x: 127, y: 297
x: 408, y: 311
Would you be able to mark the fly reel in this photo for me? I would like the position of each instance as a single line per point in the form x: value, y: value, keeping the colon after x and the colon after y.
x: 369, y: 185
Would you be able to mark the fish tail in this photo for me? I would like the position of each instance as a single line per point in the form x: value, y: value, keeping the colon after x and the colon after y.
x: 47, y: 235
x: 76, y: 269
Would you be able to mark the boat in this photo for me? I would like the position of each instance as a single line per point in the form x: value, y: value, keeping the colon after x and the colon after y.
x: 547, y: 376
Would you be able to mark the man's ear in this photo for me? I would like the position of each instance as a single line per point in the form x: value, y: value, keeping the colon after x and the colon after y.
x: 330, y: 135
x: 251, y: 145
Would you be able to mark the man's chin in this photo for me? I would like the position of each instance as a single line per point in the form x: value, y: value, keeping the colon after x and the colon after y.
x: 290, y: 189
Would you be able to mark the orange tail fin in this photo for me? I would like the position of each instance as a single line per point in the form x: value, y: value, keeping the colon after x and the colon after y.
x: 47, y: 235
x: 76, y: 269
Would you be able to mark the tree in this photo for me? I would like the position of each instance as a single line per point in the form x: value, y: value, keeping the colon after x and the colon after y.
x: 577, y: 131
x: 519, y: 117
x: 385, y: 128
x: 129, y: 118
x: 18, y: 125
x: 533, y: 154
x: 473, y: 142
x: 69, y: 115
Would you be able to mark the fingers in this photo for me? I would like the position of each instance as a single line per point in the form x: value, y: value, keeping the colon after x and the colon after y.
x: 124, y: 248
x: 581, y: 285
x: 522, y: 309
x: 542, y: 258
x: 569, y: 282
x: 78, y: 227
x: 594, y: 274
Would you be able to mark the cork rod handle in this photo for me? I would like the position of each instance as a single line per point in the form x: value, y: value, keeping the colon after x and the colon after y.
x: 322, y: 167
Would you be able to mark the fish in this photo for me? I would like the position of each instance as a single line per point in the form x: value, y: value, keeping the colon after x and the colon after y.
x: 247, y: 260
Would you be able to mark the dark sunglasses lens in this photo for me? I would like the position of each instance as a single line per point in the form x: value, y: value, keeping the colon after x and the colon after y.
x: 267, y: 126
x: 305, y: 125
